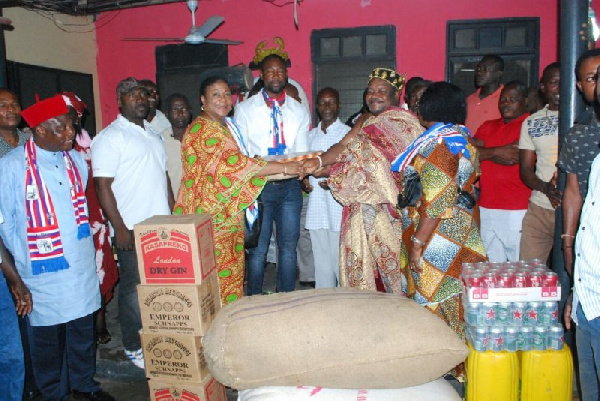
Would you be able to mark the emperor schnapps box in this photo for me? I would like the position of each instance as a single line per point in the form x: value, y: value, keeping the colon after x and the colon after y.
x: 174, y: 357
x: 175, y: 249
x: 208, y: 390
x: 179, y: 309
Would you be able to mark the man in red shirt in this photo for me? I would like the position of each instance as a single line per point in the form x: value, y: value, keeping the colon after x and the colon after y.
x: 504, y: 197
x: 483, y: 104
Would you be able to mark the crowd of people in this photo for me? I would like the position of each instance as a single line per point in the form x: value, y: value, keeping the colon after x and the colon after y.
x: 398, y: 199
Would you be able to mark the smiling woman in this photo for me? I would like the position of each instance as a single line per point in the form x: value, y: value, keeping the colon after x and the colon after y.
x: 220, y: 179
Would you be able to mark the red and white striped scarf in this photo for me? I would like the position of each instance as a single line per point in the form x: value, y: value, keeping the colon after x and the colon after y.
x: 43, y: 234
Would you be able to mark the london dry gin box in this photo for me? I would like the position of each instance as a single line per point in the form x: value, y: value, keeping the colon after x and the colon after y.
x: 175, y: 249
x: 208, y: 390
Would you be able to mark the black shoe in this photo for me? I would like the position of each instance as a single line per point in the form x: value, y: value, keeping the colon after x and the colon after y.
x: 93, y: 396
x: 308, y: 283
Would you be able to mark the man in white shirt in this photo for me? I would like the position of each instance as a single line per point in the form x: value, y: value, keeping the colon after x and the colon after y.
x: 324, y: 214
x: 130, y: 173
x: 156, y: 118
x: 275, y: 124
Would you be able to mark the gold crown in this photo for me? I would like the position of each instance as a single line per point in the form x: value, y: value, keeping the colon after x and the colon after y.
x: 390, y: 76
x: 262, y: 51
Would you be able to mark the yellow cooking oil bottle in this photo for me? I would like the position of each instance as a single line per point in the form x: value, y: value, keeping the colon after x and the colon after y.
x: 547, y: 375
x: 492, y: 376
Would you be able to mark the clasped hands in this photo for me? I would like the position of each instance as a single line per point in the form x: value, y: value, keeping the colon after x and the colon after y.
x: 303, y: 168
x: 312, y: 167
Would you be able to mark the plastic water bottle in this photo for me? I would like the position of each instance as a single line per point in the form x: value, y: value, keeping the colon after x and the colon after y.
x: 517, y: 313
x: 473, y: 314
x: 511, y: 334
x: 502, y: 313
x: 539, y: 338
x: 550, y: 313
x: 533, y: 312
x: 496, y: 339
x: 488, y: 313
x: 525, y: 338
x: 480, y: 338
x: 556, y: 337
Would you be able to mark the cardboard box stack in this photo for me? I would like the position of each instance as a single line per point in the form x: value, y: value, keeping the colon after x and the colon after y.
x: 179, y: 297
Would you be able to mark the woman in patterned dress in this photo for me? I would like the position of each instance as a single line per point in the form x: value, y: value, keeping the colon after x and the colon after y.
x: 219, y: 178
x: 441, y: 227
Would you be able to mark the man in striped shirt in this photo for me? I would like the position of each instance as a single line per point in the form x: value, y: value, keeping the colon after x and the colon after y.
x: 586, y: 294
x: 585, y: 310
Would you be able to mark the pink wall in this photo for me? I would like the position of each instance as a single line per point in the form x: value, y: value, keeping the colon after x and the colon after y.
x: 421, y: 32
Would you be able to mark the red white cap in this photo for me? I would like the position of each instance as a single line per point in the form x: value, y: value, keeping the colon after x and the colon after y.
x: 44, y: 110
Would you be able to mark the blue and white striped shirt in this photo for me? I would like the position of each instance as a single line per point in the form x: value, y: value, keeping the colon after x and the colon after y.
x: 587, y: 250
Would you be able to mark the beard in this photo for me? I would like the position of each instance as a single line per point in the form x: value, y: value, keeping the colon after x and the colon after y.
x: 275, y: 86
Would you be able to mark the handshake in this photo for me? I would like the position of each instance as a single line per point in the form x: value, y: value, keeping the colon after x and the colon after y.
x: 301, y: 168
x: 296, y: 165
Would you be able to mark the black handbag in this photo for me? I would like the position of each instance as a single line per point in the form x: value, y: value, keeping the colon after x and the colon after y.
x: 252, y: 235
x: 465, y: 200
x: 412, y: 190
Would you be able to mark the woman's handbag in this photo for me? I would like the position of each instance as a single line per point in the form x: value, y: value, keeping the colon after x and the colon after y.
x: 251, y: 235
x: 412, y: 189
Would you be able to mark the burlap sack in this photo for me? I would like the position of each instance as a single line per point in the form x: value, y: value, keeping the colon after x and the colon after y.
x: 333, y: 338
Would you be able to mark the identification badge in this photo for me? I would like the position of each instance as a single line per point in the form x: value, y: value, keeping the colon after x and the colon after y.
x: 44, y: 245
x: 32, y: 192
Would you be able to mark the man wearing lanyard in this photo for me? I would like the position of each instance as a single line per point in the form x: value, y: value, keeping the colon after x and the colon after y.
x: 272, y: 123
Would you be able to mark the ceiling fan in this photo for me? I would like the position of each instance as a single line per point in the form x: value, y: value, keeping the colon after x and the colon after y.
x: 197, y: 35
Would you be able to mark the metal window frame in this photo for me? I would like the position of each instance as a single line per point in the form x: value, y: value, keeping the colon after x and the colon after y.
x: 317, y: 60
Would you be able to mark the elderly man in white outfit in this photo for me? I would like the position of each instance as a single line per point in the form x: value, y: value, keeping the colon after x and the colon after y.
x: 324, y: 215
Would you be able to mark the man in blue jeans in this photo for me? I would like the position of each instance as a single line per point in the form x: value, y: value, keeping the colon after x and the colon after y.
x: 275, y: 124
x: 12, y: 369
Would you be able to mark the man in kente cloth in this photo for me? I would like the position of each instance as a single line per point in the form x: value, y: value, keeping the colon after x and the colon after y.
x: 361, y: 180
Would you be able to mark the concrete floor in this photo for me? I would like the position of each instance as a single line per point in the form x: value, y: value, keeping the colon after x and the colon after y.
x: 121, y: 378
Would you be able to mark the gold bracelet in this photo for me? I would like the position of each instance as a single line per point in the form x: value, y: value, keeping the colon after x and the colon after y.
x: 563, y: 236
x: 320, y: 161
